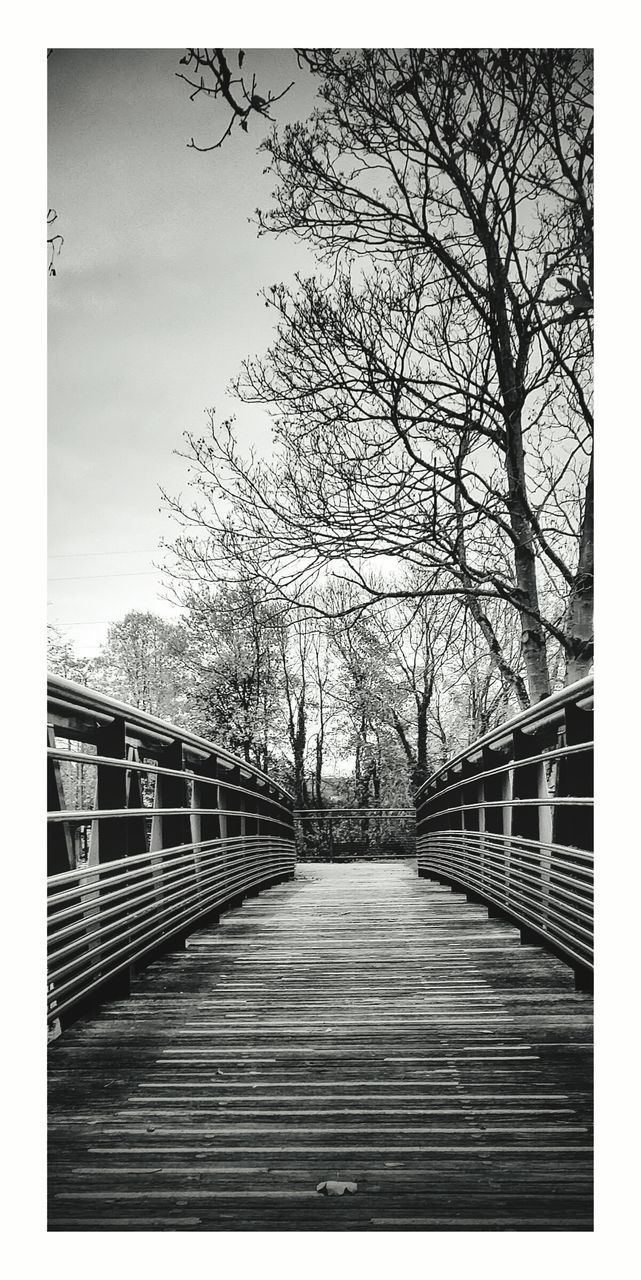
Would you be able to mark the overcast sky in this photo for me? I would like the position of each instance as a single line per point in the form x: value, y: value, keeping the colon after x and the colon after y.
x: 152, y: 309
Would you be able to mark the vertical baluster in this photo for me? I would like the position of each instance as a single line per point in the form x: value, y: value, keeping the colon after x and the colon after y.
x: 573, y: 825
x: 251, y: 849
x: 60, y: 843
x: 135, y: 828
x: 480, y: 798
x: 197, y: 801
x: 209, y: 826
x: 289, y: 834
x: 260, y: 801
x: 223, y: 819
x: 243, y: 779
x: 456, y: 821
x: 175, y: 827
x: 231, y: 801
x: 171, y: 830
x: 135, y: 825
x: 423, y: 831
x: 268, y: 828
x: 60, y: 851
x: 525, y: 823
x: 545, y: 837
x: 507, y: 792
x: 109, y: 836
x: 470, y: 825
x: 230, y: 823
x: 496, y: 792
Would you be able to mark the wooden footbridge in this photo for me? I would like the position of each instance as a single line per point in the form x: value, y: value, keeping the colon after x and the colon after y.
x: 242, y: 1042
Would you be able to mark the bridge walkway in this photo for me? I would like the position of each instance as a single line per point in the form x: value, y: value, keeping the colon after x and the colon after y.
x: 353, y: 1024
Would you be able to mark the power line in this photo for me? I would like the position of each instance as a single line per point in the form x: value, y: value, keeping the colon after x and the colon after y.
x: 87, y: 577
x: 93, y: 622
x: 72, y: 555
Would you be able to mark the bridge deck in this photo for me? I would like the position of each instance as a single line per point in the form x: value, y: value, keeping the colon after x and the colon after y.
x: 355, y: 1023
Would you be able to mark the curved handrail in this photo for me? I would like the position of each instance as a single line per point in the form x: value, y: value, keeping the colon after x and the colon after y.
x: 531, y: 718
x: 509, y: 821
x: 87, y: 699
x: 129, y: 873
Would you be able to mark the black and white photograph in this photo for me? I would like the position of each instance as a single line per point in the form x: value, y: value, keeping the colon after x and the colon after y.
x: 320, y: 541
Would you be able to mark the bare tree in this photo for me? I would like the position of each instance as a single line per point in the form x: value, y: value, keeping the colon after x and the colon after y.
x: 477, y: 163
x: 390, y: 432
x: 209, y: 73
x: 437, y: 410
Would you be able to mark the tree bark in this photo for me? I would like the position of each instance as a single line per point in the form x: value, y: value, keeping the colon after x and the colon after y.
x: 510, y: 678
x: 510, y: 372
x: 533, y: 643
x: 403, y: 738
x: 298, y: 737
x: 581, y: 602
x: 318, y: 771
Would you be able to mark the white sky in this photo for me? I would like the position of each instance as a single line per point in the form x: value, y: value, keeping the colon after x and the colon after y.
x: 152, y: 309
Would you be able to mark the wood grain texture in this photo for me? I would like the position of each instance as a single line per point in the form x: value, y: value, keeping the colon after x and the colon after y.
x: 356, y: 1023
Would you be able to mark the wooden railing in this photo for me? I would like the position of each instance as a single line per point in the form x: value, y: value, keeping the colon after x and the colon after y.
x: 509, y: 821
x: 151, y: 830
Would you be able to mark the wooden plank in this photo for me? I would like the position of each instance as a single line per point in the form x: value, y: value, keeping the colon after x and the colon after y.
x: 355, y: 1023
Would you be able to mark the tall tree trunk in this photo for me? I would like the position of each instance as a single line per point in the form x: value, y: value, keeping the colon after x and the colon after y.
x: 376, y: 774
x: 420, y: 770
x: 511, y: 372
x: 298, y: 736
x: 422, y: 705
x: 580, y: 617
x: 320, y: 739
x: 318, y: 770
x: 533, y: 640
x: 300, y: 788
x: 403, y: 738
x: 362, y: 783
x: 510, y: 678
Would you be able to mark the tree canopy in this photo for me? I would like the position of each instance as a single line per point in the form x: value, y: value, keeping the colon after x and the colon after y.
x: 430, y: 386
